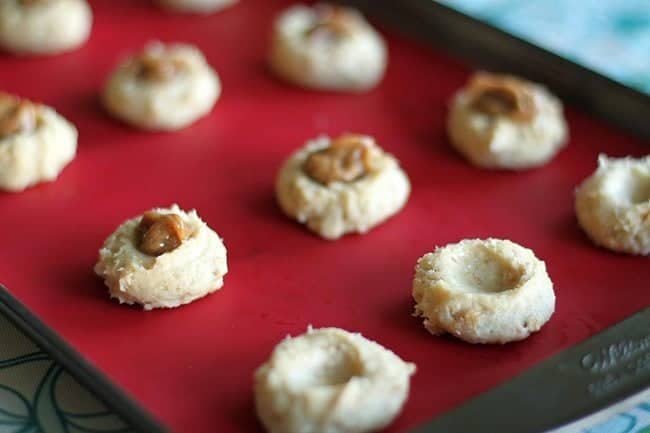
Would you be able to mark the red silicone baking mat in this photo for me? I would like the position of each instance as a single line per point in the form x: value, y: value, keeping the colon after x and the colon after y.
x: 192, y: 366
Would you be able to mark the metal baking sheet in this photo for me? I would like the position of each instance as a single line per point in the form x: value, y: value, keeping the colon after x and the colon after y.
x: 192, y: 367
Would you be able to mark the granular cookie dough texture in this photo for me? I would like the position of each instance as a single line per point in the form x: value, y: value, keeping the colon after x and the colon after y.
x: 483, y: 291
x: 36, y: 143
x: 44, y: 26
x: 196, y: 6
x: 327, y: 47
x: 342, y: 185
x: 504, y: 122
x: 166, y: 87
x: 613, y: 204
x: 162, y: 259
x: 330, y: 381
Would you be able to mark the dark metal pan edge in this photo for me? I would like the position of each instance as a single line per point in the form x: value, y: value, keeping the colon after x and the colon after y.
x: 575, y: 383
x: 489, y: 47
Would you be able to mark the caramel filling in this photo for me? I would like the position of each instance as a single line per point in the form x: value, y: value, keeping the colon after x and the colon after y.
x: 158, y: 234
x: 22, y: 117
x: 158, y: 68
x: 499, y: 95
x: 347, y: 159
x: 333, y: 22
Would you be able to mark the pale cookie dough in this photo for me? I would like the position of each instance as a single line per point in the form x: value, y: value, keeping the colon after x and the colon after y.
x: 44, y: 26
x: 327, y: 47
x: 36, y: 143
x: 504, y: 122
x: 166, y: 87
x: 613, y: 204
x: 483, y: 291
x: 162, y: 259
x: 196, y: 6
x: 330, y: 381
x: 345, y: 185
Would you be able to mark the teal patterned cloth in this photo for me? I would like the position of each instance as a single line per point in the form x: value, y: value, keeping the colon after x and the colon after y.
x: 635, y: 420
x: 38, y: 396
x: 611, y: 37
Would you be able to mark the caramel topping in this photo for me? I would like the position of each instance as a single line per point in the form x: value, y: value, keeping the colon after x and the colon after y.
x: 333, y: 22
x: 159, y: 234
x: 348, y: 158
x: 22, y: 117
x: 156, y: 67
x: 501, y: 95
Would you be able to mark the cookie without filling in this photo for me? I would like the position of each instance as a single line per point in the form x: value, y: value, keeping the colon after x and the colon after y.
x: 483, y: 291
x: 44, y: 26
x: 613, y: 204
x: 505, y: 122
x: 36, y: 143
x: 327, y: 47
x: 162, y: 259
x: 165, y: 87
x: 330, y: 380
x: 342, y: 185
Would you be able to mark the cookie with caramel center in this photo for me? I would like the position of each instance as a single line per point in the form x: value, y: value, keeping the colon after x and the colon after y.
x: 502, y: 95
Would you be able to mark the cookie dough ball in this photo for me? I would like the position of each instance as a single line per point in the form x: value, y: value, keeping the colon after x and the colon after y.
x: 613, y: 204
x: 504, y: 122
x: 162, y: 259
x: 483, y: 291
x: 44, y: 26
x: 36, y: 143
x: 327, y: 47
x: 342, y: 185
x: 165, y: 87
x: 196, y: 6
x: 330, y: 380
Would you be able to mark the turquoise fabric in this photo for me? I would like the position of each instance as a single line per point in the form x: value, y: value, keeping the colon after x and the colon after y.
x: 38, y: 396
x: 611, y: 37
x: 635, y: 420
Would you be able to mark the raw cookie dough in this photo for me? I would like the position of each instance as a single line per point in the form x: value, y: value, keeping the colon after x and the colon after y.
x: 483, y: 291
x: 504, y: 122
x: 196, y: 6
x: 36, y: 143
x: 613, y: 204
x: 44, y: 26
x: 166, y: 87
x: 162, y: 259
x: 339, y: 186
x: 327, y: 47
x: 330, y: 381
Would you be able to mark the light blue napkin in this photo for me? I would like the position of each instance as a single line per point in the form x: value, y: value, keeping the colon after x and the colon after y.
x: 635, y: 420
x: 611, y: 37
x: 38, y: 396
